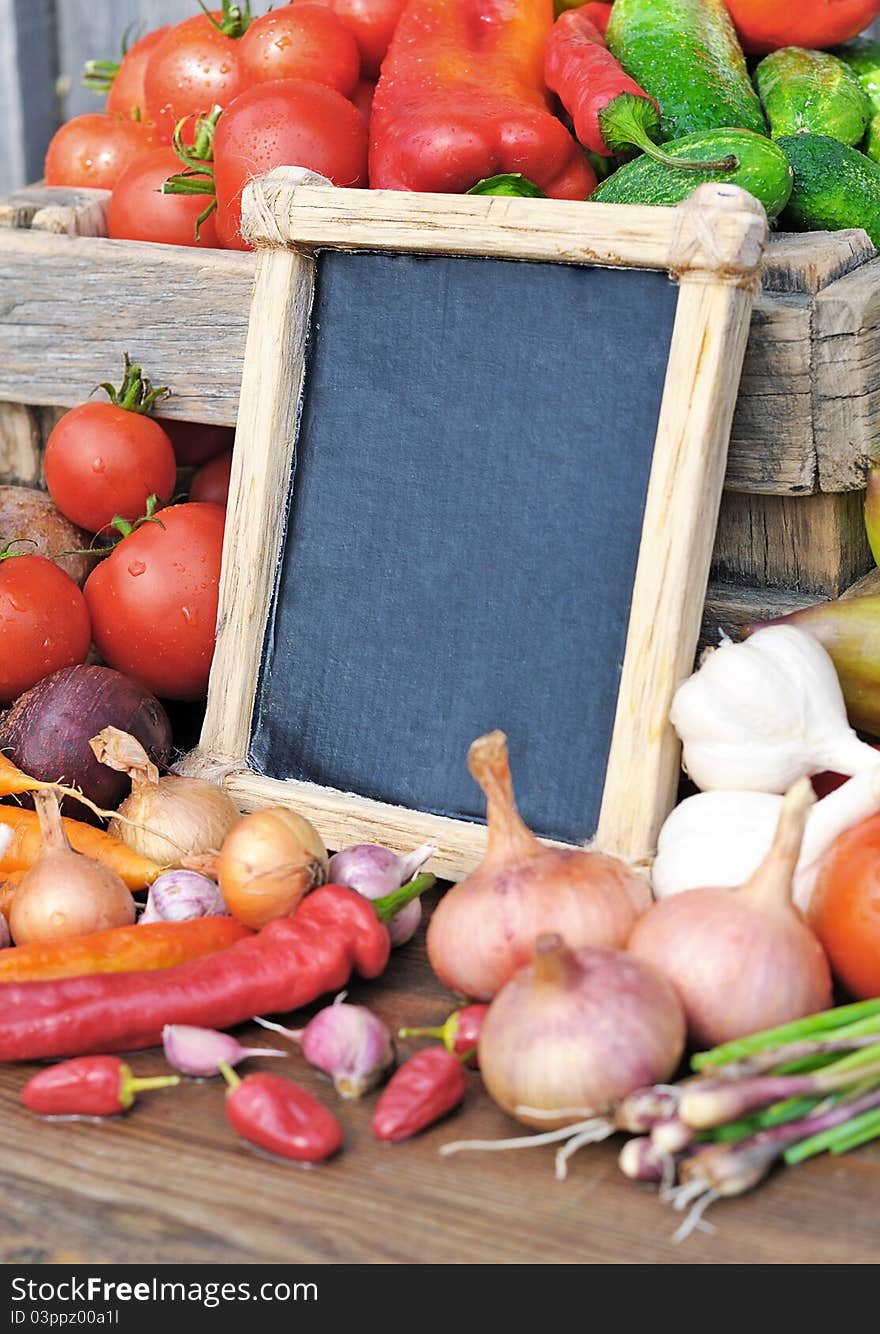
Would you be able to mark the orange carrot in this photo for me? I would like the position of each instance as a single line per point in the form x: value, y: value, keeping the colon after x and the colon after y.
x: 13, y: 781
x: 22, y: 852
x: 123, y: 949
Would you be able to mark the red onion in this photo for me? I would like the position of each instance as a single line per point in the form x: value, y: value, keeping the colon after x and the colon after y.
x: 373, y: 872
x: 484, y: 928
x: 47, y: 731
x: 741, y: 960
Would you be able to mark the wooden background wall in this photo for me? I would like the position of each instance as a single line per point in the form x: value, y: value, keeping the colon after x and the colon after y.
x: 43, y: 46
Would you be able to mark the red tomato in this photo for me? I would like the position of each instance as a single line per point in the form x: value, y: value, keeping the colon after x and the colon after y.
x: 153, y: 601
x: 372, y: 22
x: 126, y: 96
x: 845, y: 908
x: 301, y: 42
x: 211, y: 482
x: 101, y: 461
x: 140, y: 212
x: 44, y: 623
x: 194, y: 443
x: 766, y: 25
x: 287, y: 123
x: 94, y: 150
x: 194, y: 68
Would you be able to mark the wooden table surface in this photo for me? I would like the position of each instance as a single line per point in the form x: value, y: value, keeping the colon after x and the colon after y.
x: 171, y: 1183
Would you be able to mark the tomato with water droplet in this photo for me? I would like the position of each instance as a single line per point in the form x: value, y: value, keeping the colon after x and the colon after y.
x: 153, y: 601
x: 44, y: 623
x: 102, y: 460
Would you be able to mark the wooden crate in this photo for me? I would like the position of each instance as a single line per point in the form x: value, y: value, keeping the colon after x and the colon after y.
x: 790, y: 529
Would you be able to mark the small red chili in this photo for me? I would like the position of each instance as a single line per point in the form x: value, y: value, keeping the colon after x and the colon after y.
x: 278, y: 1115
x: 88, y: 1086
x: 423, y: 1089
x: 459, y: 1034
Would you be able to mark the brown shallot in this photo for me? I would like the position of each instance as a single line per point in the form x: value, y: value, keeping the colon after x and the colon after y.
x: 164, y: 818
x: 267, y: 863
x: 741, y: 960
x: 483, y: 930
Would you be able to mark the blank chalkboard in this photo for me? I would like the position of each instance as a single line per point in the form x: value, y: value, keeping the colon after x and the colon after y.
x: 479, y: 460
x: 463, y: 529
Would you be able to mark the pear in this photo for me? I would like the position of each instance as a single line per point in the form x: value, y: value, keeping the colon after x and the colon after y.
x: 849, y: 630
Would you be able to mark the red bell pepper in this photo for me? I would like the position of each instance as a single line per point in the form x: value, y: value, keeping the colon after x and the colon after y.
x: 461, y: 98
x: 88, y: 1086
x: 611, y: 113
x: 288, y: 964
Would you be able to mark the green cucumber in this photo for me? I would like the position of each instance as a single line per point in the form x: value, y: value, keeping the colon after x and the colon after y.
x: 685, y: 54
x: 835, y: 186
x: 762, y: 169
x: 871, y: 146
x: 863, y: 58
x: 812, y: 92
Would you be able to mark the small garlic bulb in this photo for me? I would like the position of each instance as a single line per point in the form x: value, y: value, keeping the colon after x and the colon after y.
x: 759, y: 715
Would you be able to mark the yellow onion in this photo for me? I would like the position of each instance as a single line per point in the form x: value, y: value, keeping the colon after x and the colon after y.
x: 575, y: 1031
x: 484, y: 928
x: 167, y: 818
x: 64, y: 893
x: 267, y: 863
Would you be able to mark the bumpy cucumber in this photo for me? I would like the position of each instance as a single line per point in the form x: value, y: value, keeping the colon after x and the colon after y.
x: 813, y: 92
x: 871, y: 146
x: 762, y: 169
x: 685, y: 54
x: 834, y: 186
x: 863, y: 58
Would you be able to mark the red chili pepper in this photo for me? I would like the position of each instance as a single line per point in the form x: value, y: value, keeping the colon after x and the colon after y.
x: 276, y: 1114
x: 598, y: 13
x: 461, y: 98
x: 611, y: 113
x: 423, y: 1089
x: 459, y: 1034
x: 287, y: 965
x: 88, y: 1086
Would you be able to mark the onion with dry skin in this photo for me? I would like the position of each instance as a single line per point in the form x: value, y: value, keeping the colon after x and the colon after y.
x: 164, y: 818
x: 482, y: 931
x: 64, y: 893
x: 578, y: 1029
x: 742, y: 960
x: 268, y: 862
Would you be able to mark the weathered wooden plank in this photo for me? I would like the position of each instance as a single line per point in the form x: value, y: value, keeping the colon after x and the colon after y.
x: 80, y: 303
x: 811, y: 261
x: 730, y: 607
x: 816, y: 544
x: 67, y: 212
x: 20, y: 445
x: 771, y: 443
x: 846, y: 410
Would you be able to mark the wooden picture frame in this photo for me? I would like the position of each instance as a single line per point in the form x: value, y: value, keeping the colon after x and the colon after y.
x: 712, y: 245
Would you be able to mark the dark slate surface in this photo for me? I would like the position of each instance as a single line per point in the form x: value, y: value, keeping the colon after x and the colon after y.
x: 464, y: 523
